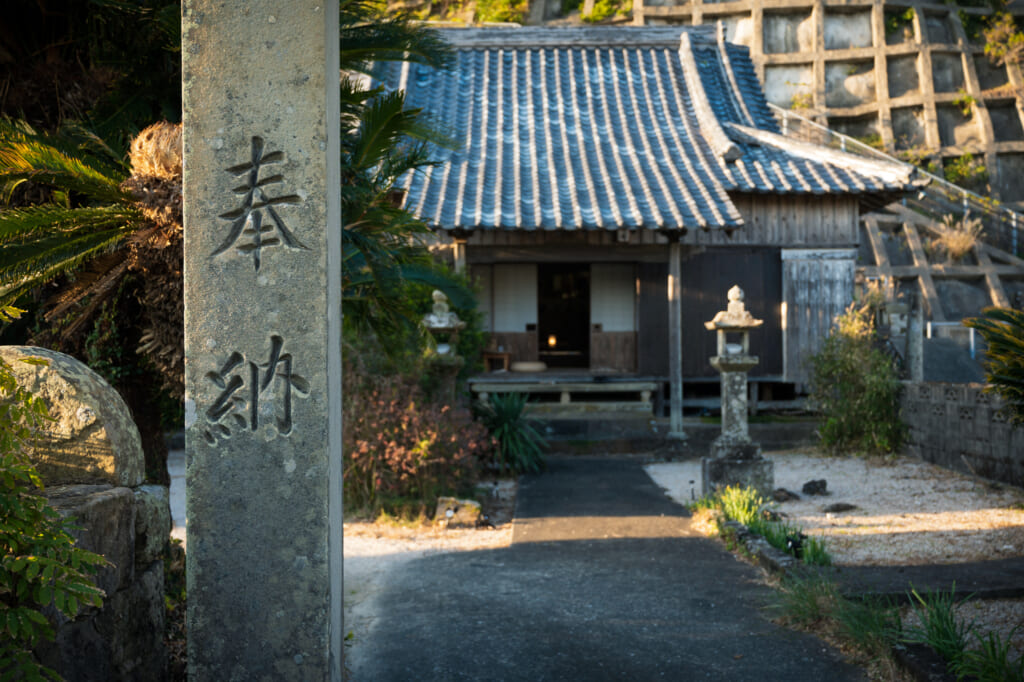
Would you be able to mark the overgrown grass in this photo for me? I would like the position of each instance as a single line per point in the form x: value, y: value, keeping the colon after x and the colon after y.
x: 992, y: 659
x: 870, y: 629
x: 746, y: 506
x: 940, y: 628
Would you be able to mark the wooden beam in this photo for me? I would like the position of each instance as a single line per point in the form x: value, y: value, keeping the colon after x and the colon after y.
x: 1005, y: 256
x: 931, y: 294
x: 877, y: 245
x: 942, y: 271
x: 995, y: 286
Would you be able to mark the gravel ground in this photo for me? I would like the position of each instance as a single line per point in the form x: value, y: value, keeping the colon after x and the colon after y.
x: 907, y: 512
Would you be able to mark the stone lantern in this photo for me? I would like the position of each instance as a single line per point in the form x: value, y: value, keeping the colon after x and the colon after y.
x: 444, y: 326
x: 734, y: 458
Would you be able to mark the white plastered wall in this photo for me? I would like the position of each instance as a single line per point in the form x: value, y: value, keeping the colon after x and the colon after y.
x: 613, y: 296
x: 514, y: 296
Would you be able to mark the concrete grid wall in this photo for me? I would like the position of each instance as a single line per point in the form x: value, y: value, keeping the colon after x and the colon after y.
x: 961, y: 427
x: 896, y: 73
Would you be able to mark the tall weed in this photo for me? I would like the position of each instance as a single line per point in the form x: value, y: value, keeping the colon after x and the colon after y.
x: 991, y: 660
x: 940, y: 628
x: 856, y: 388
x: 805, y: 600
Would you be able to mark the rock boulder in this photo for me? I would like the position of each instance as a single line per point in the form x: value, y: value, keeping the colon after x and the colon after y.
x: 92, y: 438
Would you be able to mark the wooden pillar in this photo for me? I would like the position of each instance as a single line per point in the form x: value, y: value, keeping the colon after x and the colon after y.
x: 459, y: 239
x: 460, y: 256
x: 675, y: 339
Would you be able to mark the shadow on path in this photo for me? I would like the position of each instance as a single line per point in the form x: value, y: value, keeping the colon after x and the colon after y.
x: 605, y: 580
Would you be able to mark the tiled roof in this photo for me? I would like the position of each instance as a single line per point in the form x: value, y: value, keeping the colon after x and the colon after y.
x: 605, y: 128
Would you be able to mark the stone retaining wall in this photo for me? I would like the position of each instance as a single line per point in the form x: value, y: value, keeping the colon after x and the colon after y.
x: 91, y: 463
x: 961, y: 427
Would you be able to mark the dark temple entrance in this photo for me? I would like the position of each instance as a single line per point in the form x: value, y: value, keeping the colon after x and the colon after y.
x: 563, y: 314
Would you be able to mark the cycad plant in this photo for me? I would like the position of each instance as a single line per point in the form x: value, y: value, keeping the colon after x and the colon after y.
x: 520, y: 445
x: 93, y: 221
x: 87, y: 212
x: 95, y: 244
x: 382, y: 141
x: 1003, y: 331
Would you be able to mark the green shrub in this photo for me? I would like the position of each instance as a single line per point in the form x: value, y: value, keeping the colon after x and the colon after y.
x: 900, y: 24
x: 41, y: 566
x: 856, y: 388
x: 605, y: 9
x: 501, y: 10
x: 520, y: 445
x: 402, y: 450
x: 966, y: 171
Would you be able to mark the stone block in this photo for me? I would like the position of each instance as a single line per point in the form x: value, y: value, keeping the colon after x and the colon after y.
x: 132, y: 622
x: 750, y: 473
x: 735, y: 449
x: 464, y: 513
x: 78, y: 652
x: 152, y: 522
x: 105, y: 520
x: 92, y: 438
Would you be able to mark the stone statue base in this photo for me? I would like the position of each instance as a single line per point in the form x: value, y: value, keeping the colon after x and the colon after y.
x: 444, y: 369
x: 728, y: 446
x: 756, y: 473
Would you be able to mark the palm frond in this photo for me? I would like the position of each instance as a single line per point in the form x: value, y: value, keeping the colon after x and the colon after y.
x: 43, y: 260
x: 72, y: 140
x: 385, y: 125
x: 19, y: 226
x: 367, y: 37
x: 46, y: 165
x: 1003, y: 331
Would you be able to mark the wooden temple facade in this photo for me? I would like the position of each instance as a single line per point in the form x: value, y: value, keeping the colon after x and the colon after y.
x: 611, y: 184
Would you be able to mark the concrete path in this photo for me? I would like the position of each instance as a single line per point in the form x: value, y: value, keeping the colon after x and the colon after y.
x: 605, y: 580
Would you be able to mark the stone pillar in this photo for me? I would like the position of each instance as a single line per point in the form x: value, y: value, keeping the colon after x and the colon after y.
x: 735, y: 459
x: 262, y: 339
x: 915, y: 339
x: 675, y: 339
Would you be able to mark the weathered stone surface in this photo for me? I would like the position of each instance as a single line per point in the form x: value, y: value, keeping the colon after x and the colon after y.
x: 262, y: 339
x: 132, y: 623
x: 749, y: 473
x: 123, y: 642
x: 105, y: 517
x: 92, y: 438
x: 152, y: 522
x: 78, y: 652
x: 456, y: 513
x: 734, y: 448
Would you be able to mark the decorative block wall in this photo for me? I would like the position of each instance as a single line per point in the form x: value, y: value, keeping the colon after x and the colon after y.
x: 961, y: 427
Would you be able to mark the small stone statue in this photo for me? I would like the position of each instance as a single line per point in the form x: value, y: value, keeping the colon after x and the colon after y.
x: 735, y: 314
x: 442, y: 317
